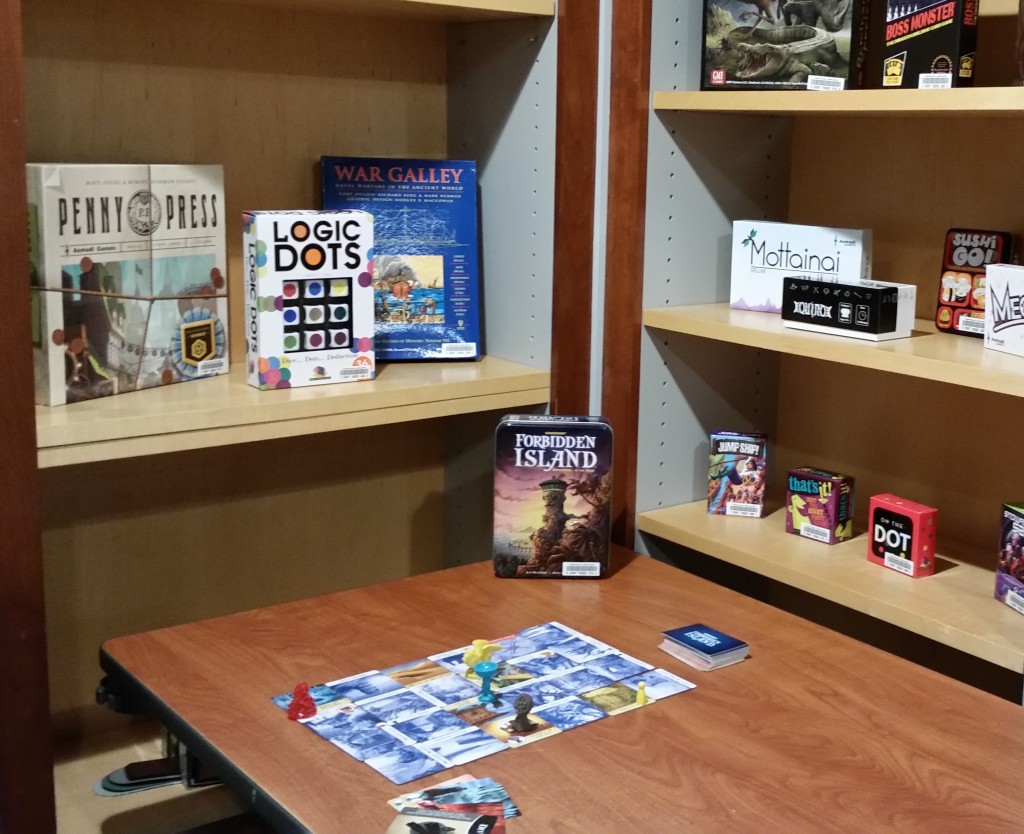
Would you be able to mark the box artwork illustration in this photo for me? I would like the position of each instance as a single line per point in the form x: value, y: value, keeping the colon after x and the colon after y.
x: 1010, y: 567
x: 425, y: 265
x: 903, y: 535
x: 1004, y: 320
x: 736, y: 474
x: 819, y: 505
x: 930, y: 44
x: 763, y: 253
x: 872, y: 310
x: 784, y: 44
x: 963, y: 287
x: 308, y: 297
x: 552, y: 496
x: 128, y: 274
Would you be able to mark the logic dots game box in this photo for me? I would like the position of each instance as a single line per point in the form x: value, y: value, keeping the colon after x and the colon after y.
x: 308, y: 297
x: 963, y: 290
x: 819, y: 505
x: 903, y: 535
x: 552, y: 496
x: 930, y: 44
x: 1010, y: 567
x: 128, y: 274
x: 736, y: 474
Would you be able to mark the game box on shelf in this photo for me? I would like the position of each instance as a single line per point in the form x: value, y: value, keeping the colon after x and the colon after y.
x: 425, y: 264
x: 128, y: 270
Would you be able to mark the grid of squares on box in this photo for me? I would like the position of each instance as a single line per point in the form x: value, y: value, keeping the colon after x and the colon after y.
x: 317, y: 314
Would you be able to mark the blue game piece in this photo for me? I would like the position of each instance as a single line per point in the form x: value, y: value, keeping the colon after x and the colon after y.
x: 486, y: 670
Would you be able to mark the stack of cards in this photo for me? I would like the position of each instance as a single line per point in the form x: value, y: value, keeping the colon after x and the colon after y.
x: 463, y: 804
x: 703, y: 647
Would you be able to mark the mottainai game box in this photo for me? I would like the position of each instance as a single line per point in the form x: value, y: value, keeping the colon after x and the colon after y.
x: 552, y: 496
x: 128, y: 271
x: 930, y: 44
x: 784, y: 44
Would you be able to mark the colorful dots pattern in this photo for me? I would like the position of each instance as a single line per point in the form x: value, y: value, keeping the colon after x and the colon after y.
x: 306, y: 306
x: 339, y: 287
x: 274, y: 372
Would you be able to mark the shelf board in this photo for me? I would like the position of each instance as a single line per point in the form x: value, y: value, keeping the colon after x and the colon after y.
x: 955, y: 607
x: 962, y: 101
x: 926, y: 354
x: 225, y: 409
x: 452, y: 11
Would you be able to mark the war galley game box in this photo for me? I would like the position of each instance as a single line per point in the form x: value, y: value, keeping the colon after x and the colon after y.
x: 764, y: 252
x: 795, y: 45
x: 552, y: 496
x: 128, y: 274
x: 929, y: 45
x: 308, y: 297
x: 426, y: 276
x: 872, y: 310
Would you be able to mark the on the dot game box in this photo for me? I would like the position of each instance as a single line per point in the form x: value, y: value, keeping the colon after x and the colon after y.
x: 308, y: 297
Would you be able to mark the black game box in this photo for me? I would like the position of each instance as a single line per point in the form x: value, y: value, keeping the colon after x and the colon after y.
x: 780, y: 45
x: 929, y: 44
x: 552, y: 496
x: 873, y: 310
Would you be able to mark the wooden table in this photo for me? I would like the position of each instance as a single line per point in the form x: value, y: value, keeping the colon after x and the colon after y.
x: 814, y: 732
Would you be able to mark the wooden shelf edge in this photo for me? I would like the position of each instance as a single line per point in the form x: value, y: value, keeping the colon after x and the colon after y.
x: 963, y: 101
x: 941, y: 357
x: 955, y: 607
x: 226, y: 410
x: 452, y: 11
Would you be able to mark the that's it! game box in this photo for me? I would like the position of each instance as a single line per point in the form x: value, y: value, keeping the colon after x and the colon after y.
x: 819, y: 505
x: 552, y: 496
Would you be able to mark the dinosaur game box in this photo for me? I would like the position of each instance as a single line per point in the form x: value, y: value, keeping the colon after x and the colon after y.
x: 779, y: 45
x: 963, y: 290
x: 552, y: 496
x: 930, y: 44
x: 128, y: 273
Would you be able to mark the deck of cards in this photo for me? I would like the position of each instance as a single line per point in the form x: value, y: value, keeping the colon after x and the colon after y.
x: 703, y: 648
x: 463, y: 805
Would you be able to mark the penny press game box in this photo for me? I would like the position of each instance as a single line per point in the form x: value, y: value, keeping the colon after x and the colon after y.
x: 930, y: 45
x: 127, y: 268
x: 552, y: 496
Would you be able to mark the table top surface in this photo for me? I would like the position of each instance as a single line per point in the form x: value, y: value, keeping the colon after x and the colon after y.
x: 815, y: 731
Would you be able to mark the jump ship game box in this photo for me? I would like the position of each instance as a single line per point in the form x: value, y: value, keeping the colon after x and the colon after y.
x: 795, y: 45
x: 930, y: 44
x: 552, y: 496
x: 736, y: 474
x: 819, y: 505
x: 764, y: 252
x: 1010, y: 567
x: 963, y: 289
x: 128, y: 271
x: 426, y: 272
x: 308, y: 297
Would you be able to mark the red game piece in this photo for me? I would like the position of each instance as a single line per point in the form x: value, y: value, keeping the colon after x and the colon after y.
x: 302, y: 704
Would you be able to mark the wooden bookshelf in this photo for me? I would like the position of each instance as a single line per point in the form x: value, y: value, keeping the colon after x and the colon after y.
x: 954, y: 607
x: 926, y: 354
x: 899, y: 104
x: 225, y: 409
x: 449, y: 11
